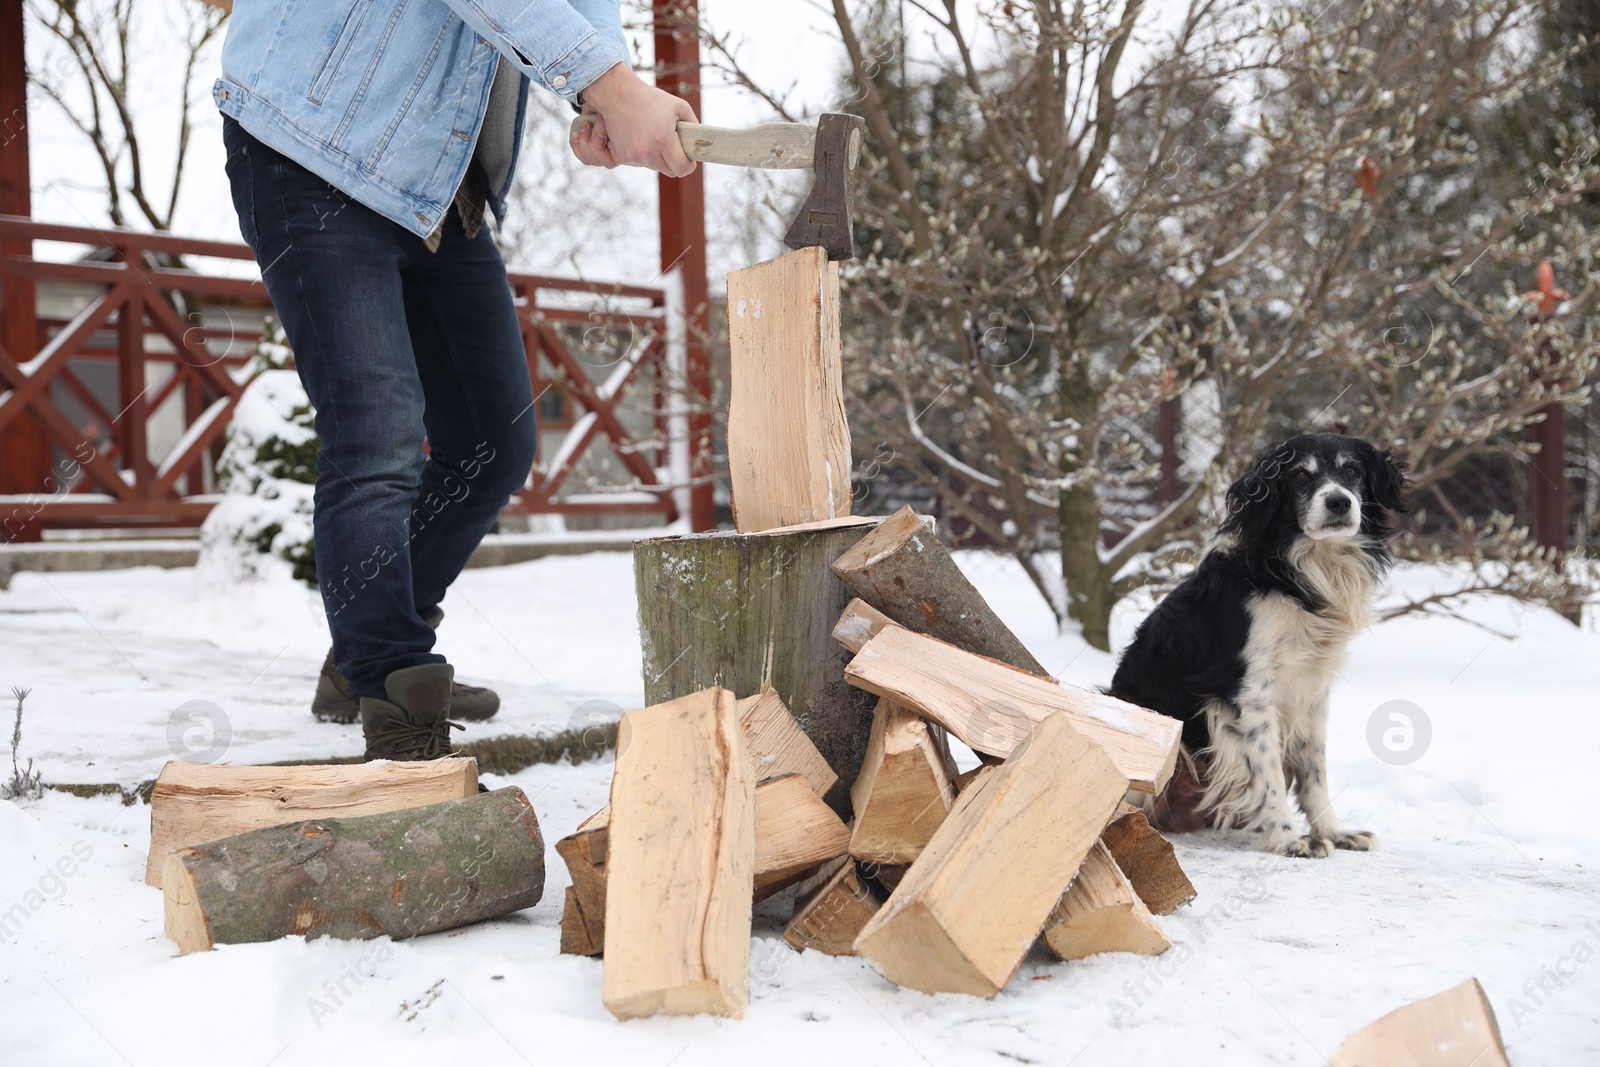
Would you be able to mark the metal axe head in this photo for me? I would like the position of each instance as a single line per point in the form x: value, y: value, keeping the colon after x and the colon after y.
x: 824, y: 218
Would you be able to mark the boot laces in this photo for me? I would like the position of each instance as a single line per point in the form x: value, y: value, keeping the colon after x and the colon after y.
x: 431, y: 740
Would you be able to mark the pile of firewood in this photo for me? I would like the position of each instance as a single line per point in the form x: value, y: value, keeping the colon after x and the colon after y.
x: 943, y: 880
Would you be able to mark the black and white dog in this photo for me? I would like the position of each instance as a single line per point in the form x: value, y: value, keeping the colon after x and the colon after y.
x: 1245, y: 650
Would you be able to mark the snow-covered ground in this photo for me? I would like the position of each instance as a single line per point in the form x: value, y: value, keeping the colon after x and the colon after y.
x: 1489, y: 862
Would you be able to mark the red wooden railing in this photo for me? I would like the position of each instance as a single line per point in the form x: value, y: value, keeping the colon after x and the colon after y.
x: 104, y: 473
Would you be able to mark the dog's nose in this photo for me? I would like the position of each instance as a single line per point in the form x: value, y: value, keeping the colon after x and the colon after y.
x: 1337, y: 503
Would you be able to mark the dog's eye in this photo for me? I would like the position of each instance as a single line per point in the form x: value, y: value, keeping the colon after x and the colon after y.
x: 1302, y: 475
x: 1351, y: 470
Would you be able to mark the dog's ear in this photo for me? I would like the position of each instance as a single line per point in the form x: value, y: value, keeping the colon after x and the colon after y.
x: 1254, y: 499
x: 1386, y: 480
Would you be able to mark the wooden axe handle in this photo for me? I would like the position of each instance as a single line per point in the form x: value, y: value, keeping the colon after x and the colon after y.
x: 774, y: 145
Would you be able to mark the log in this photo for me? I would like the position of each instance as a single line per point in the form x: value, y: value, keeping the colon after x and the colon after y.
x: 905, y: 571
x: 751, y: 612
x: 1456, y: 1028
x: 1148, y: 861
x: 829, y: 914
x: 788, y: 441
x: 905, y: 788
x: 995, y: 708
x: 778, y: 746
x: 192, y: 803
x: 1100, y: 912
x: 680, y: 849
x: 975, y: 901
x: 395, y: 874
x: 795, y: 834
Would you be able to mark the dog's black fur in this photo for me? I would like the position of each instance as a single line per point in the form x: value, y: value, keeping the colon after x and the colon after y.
x: 1245, y: 649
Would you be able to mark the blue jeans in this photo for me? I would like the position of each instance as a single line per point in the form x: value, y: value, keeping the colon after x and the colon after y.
x: 394, y: 344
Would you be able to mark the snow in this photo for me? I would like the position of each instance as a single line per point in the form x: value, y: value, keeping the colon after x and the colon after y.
x: 1486, y: 866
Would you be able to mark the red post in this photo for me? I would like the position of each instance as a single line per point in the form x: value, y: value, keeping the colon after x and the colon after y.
x: 1168, y: 416
x: 683, y: 243
x: 24, y: 449
x: 1550, y: 478
x: 1550, y: 462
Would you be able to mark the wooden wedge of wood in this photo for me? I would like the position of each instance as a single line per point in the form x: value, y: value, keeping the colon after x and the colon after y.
x: 903, y: 570
x: 905, y: 788
x: 1456, y: 1028
x: 1148, y: 861
x: 995, y: 708
x: 1100, y: 912
x: 976, y: 899
x: 192, y: 803
x: 831, y: 909
x: 396, y: 873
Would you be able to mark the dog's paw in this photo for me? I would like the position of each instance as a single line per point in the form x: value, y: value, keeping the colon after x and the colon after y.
x: 1356, y: 840
x: 1308, y: 847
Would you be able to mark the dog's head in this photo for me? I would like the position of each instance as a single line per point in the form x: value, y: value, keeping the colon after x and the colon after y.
x: 1320, y: 485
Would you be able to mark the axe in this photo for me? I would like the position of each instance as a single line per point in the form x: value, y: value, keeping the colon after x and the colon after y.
x: 830, y: 150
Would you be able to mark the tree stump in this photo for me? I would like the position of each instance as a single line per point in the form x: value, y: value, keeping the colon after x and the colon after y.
x: 746, y: 611
x: 398, y: 873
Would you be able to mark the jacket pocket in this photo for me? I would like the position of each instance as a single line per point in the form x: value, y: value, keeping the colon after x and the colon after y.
x: 341, y: 46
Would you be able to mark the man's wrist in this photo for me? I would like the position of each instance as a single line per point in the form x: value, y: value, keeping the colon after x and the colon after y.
x: 604, y: 89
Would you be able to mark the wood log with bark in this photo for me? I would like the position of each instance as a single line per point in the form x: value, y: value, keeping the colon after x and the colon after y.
x: 751, y: 612
x: 680, y: 854
x: 903, y: 569
x: 192, y: 803
x: 977, y: 898
x: 396, y: 873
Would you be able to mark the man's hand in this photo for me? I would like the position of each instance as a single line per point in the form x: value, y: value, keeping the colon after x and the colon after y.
x: 635, y: 125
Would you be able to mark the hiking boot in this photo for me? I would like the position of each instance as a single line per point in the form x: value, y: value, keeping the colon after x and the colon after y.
x: 333, y: 701
x: 414, y: 723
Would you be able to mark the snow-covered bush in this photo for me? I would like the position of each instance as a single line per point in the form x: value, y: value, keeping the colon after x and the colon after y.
x: 262, y: 525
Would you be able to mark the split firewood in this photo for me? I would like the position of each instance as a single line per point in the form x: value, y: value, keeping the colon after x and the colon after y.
x: 1148, y: 861
x: 904, y: 570
x: 859, y: 624
x: 831, y: 909
x: 905, y: 788
x: 1456, y: 1028
x: 887, y: 875
x: 995, y: 708
x: 777, y: 744
x: 795, y: 834
x: 679, y: 861
x: 193, y: 803
x: 1100, y: 912
x: 788, y: 440
x: 395, y: 874
x: 750, y: 612
x: 966, y: 778
x: 977, y: 898
x: 583, y: 915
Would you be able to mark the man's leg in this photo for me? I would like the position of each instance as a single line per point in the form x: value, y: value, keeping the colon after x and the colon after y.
x: 333, y: 270
x: 481, y: 429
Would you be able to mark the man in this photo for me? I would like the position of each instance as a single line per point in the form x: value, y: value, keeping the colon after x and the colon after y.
x: 364, y: 142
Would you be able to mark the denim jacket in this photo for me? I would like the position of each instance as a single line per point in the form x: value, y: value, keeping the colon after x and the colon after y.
x: 385, y: 101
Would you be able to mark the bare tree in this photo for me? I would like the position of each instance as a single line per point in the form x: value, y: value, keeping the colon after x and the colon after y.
x: 1072, y: 218
x: 93, y: 81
